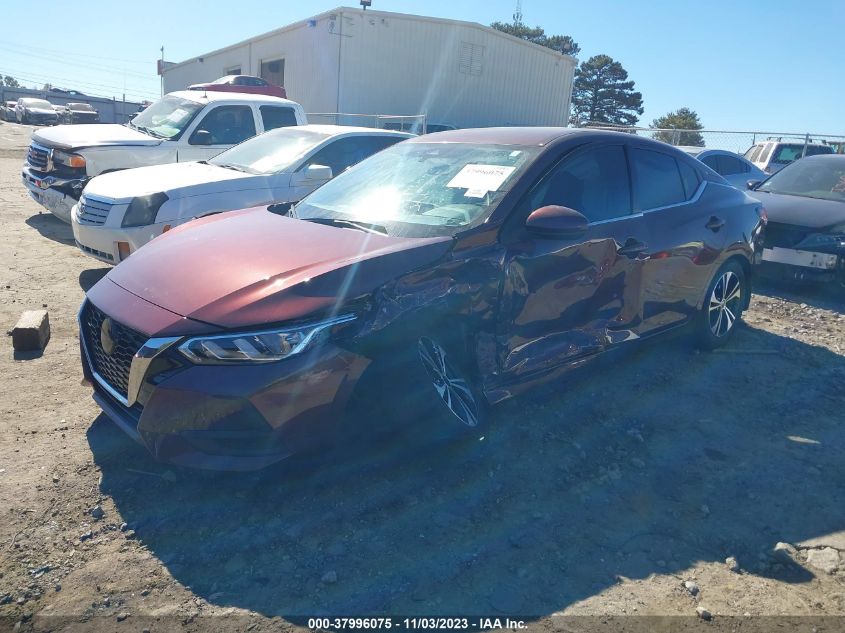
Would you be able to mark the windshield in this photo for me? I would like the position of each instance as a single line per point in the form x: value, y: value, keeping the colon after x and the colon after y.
x: 38, y: 103
x: 820, y: 178
x: 271, y: 152
x: 421, y: 189
x: 785, y: 154
x: 167, y: 118
x: 80, y: 107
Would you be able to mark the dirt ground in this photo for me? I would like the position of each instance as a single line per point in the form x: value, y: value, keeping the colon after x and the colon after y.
x: 595, y: 499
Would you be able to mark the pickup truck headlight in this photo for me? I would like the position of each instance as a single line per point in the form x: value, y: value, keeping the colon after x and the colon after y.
x: 143, y: 210
x: 68, y: 159
x: 259, y: 347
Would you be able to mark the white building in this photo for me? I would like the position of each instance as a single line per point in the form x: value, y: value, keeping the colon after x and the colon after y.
x: 354, y: 61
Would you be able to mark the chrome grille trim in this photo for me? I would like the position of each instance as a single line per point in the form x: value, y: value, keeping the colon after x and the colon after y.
x: 38, y: 157
x: 93, y: 211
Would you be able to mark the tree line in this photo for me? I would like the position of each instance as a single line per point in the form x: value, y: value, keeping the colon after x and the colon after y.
x: 602, y: 91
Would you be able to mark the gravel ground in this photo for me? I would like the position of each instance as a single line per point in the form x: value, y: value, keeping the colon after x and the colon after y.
x: 618, y: 493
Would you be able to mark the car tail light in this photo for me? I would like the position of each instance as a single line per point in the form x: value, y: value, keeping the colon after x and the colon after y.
x: 166, y: 228
x: 764, y: 215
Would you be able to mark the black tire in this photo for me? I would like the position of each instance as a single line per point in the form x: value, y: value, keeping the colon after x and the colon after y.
x: 726, y: 298
x: 410, y: 392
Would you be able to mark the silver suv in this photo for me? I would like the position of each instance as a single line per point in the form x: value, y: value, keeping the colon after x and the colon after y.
x: 774, y: 154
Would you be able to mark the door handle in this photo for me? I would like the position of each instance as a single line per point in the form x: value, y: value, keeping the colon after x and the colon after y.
x: 632, y: 248
x: 714, y: 223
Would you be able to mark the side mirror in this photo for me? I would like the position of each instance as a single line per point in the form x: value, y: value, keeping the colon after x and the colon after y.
x: 201, y: 137
x: 752, y: 184
x: 313, y: 174
x: 556, y: 222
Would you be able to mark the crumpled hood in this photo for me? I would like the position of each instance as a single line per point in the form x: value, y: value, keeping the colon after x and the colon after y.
x: 809, y: 212
x: 177, y: 180
x: 253, y: 267
x: 91, y: 135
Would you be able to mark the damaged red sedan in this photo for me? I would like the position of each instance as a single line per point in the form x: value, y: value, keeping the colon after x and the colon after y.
x: 438, y: 277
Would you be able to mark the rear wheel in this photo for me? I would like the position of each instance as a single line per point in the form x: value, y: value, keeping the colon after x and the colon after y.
x: 723, y: 305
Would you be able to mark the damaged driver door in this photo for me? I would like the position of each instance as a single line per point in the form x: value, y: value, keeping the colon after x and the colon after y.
x: 569, y: 296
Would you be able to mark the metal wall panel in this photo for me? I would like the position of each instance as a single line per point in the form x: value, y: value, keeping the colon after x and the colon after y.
x: 355, y: 61
x: 457, y: 73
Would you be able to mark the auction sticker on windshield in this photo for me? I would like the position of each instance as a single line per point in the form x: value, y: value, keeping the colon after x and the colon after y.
x: 480, y: 179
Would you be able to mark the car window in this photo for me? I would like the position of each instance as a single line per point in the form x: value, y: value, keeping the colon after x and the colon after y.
x: 341, y: 154
x: 593, y: 182
x: 753, y: 152
x: 276, y: 117
x: 822, y: 178
x: 712, y: 162
x: 690, y: 178
x: 227, y: 125
x: 657, y: 179
x: 730, y: 165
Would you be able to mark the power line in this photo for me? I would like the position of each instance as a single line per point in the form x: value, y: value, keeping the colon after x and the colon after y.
x: 65, y: 52
x: 78, y: 64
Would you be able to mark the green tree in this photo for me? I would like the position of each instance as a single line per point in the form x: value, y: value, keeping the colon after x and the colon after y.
x: 560, y: 43
x: 602, y: 92
x: 10, y: 82
x: 682, y: 119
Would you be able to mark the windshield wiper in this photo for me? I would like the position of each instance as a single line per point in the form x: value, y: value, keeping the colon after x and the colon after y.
x: 352, y: 224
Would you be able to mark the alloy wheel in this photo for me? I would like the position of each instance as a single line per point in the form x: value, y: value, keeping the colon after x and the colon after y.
x: 453, y: 389
x: 724, y: 304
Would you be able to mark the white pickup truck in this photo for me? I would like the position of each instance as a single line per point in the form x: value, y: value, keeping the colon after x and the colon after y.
x: 182, y: 126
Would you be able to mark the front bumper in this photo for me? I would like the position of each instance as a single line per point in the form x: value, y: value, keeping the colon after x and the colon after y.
x: 239, y: 417
x: 100, y: 241
x: 51, y: 192
x: 803, y: 253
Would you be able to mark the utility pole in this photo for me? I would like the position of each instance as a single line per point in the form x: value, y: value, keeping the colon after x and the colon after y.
x: 162, y: 70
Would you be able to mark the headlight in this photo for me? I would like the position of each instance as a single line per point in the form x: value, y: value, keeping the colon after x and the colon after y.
x: 71, y: 160
x: 143, y: 209
x: 258, y: 347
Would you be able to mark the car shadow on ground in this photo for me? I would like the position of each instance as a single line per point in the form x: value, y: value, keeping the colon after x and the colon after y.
x: 646, y: 463
x: 87, y: 278
x: 827, y: 296
x: 52, y: 228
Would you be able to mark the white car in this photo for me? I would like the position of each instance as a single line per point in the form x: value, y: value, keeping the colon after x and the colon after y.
x: 182, y: 126
x: 732, y: 167
x: 120, y: 212
x: 774, y: 154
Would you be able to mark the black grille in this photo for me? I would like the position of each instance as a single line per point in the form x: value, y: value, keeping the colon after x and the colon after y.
x: 114, y: 367
x: 37, y: 157
x: 93, y: 211
x: 785, y: 235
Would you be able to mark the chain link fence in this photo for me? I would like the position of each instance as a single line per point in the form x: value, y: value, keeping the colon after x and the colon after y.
x: 731, y: 140
x: 414, y: 123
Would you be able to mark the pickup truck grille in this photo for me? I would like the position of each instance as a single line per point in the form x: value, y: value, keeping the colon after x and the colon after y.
x: 38, y: 157
x: 93, y: 211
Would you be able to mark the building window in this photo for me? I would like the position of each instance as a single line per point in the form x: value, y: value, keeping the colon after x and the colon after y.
x: 232, y: 70
x: 471, y: 58
x: 273, y: 71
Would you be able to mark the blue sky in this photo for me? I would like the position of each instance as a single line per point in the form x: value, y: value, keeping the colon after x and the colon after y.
x: 773, y: 65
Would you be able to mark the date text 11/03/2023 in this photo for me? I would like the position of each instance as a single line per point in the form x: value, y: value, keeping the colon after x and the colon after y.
x: 418, y: 623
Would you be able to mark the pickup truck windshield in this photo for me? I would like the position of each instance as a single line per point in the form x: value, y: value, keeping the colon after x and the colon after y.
x: 271, y: 152
x: 166, y: 118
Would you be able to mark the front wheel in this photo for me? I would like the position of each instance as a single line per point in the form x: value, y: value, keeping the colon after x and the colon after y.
x: 723, y: 305
x: 425, y: 389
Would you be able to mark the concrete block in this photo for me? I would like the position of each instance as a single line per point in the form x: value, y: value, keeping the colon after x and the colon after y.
x: 32, y: 331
